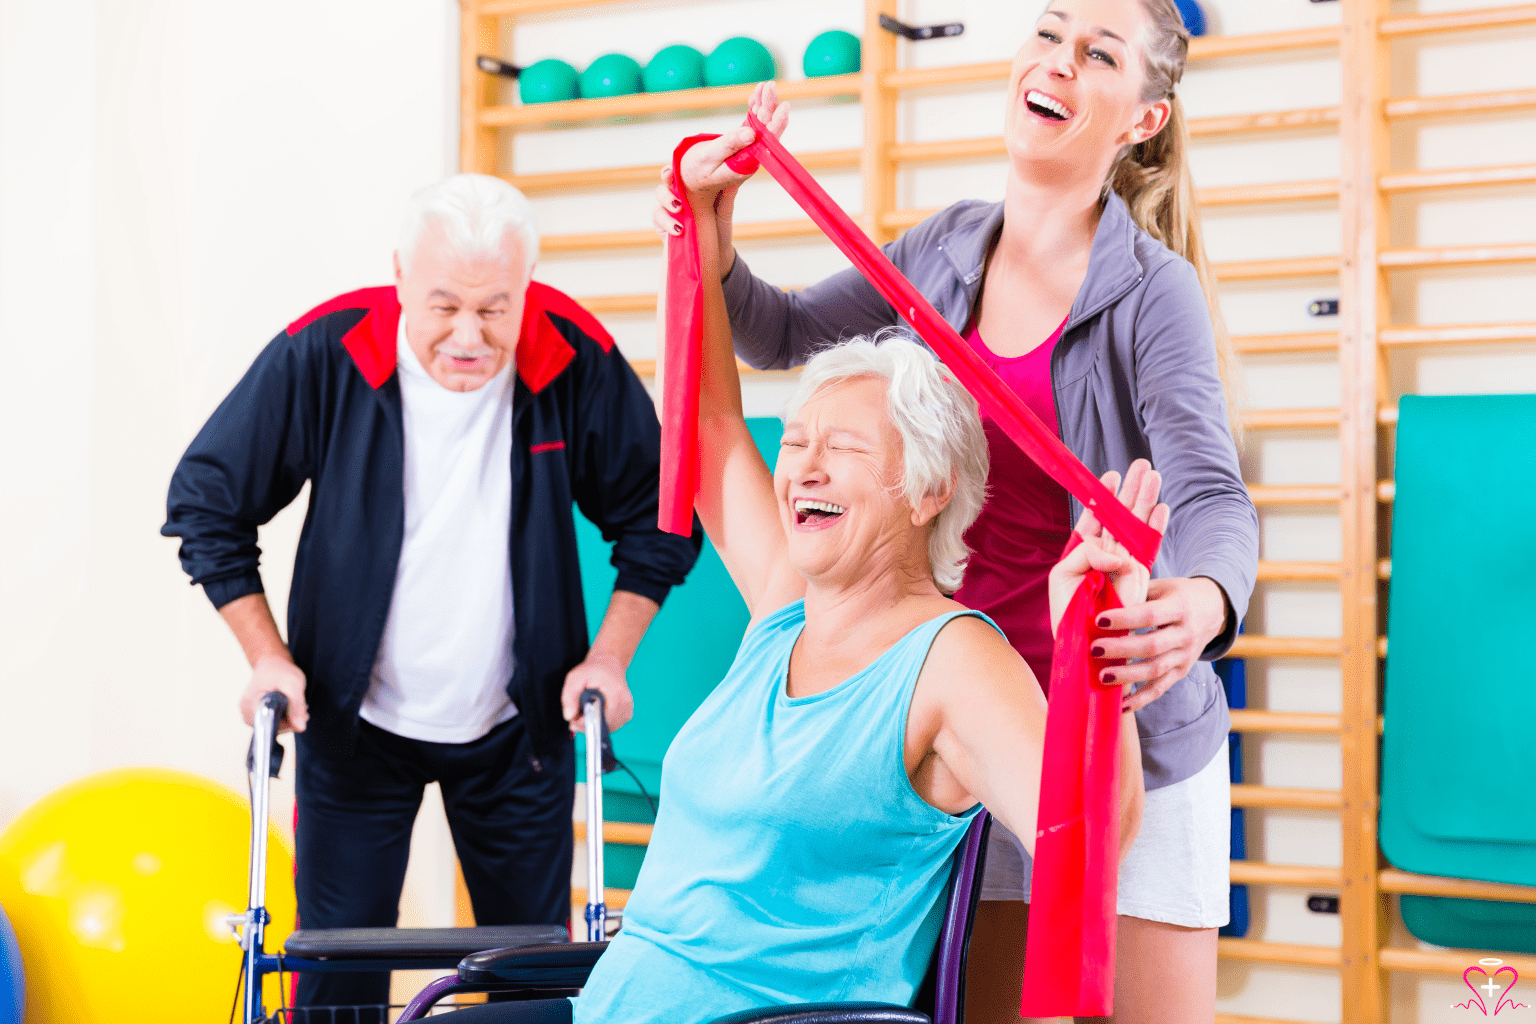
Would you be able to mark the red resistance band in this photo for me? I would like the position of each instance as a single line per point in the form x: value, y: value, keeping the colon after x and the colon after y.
x: 1069, y: 969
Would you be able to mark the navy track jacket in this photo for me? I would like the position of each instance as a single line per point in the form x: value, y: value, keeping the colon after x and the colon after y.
x: 322, y: 404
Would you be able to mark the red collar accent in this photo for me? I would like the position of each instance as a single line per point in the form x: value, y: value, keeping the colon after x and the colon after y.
x: 542, y: 349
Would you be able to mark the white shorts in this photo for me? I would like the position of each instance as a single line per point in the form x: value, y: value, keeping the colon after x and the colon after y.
x: 1177, y: 870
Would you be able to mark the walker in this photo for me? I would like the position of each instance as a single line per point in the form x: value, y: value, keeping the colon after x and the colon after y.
x: 387, y: 949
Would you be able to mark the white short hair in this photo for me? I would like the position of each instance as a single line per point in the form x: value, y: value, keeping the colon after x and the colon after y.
x: 475, y: 211
x: 941, y: 434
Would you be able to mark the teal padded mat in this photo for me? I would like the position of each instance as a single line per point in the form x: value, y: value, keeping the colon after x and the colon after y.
x: 1471, y: 924
x: 1459, y: 750
x: 684, y: 654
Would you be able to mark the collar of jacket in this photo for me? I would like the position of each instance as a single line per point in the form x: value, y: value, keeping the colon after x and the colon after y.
x: 543, y: 351
x: 1113, y: 269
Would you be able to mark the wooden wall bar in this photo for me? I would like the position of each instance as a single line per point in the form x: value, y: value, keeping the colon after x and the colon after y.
x: 1364, y: 270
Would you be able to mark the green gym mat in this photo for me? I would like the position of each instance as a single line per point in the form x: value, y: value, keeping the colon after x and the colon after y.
x: 1471, y: 924
x: 1459, y: 748
x: 685, y: 653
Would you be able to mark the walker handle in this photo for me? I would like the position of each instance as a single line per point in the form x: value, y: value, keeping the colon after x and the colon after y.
x: 278, y: 703
x: 605, y: 746
x: 599, y: 762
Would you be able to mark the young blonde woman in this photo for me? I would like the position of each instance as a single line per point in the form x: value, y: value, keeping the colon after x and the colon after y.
x: 1088, y: 291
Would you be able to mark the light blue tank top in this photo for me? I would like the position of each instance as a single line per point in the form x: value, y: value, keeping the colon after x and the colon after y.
x: 792, y: 861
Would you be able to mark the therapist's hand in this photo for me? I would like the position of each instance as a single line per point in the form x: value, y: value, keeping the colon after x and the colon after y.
x: 1184, y: 616
x: 705, y: 171
x: 604, y: 673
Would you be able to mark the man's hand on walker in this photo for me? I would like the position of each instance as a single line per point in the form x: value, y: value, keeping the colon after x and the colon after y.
x: 275, y: 672
x: 604, y: 673
x: 1184, y: 616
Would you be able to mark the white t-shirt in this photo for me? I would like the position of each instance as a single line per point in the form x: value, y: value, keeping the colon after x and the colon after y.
x: 443, y: 665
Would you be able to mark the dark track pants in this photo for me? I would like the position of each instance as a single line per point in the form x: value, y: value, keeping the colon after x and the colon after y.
x: 510, y: 815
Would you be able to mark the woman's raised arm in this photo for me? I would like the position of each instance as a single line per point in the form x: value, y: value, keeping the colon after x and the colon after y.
x: 736, y: 500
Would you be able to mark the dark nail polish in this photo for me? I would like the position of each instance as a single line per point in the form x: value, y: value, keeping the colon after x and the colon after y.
x: 1097, y: 652
x: 1109, y: 677
x: 1104, y: 622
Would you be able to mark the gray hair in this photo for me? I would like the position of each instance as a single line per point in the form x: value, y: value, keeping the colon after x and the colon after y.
x: 941, y: 435
x: 475, y: 211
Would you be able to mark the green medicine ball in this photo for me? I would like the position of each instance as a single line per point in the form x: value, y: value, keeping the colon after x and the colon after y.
x: 548, y: 81
x: 612, y: 74
x: 739, y: 61
x: 673, y: 68
x: 832, y: 53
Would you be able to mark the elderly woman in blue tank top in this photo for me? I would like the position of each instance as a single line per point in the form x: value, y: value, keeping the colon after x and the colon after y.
x: 810, y: 807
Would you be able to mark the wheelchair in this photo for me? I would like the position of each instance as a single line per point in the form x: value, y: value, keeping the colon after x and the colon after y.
x: 561, y: 970
x: 540, y: 960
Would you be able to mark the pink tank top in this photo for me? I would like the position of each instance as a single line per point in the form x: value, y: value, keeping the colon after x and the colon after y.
x: 1024, y: 525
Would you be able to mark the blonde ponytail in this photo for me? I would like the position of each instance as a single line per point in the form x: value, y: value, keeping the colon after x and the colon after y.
x: 1153, y: 178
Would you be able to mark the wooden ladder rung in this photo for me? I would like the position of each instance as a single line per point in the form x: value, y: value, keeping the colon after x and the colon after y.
x: 1265, y: 344
x: 650, y: 174
x: 1486, y: 17
x: 1310, y: 118
x: 1290, y: 419
x: 644, y: 303
x: 1457, y: 256
x: 1300, y: 876
x: 1213, y: 47
x: 1393, y: 880
x: 573, y: 112
x: 1270, y: 571
x: 1274, y: 192
x: 1252, y: 645
x: 1256, y: 720
x: 1265, y: 270
x: 647, y: 237
x: 1427, y: 961
x: 1464, y: 334
x: 1254, y: 951
x: 1465, y: 103
x: 624, y: 833
x: 949, y: 74
x: 1294, y: 494
x: 1250, y: 795
x: 948, y: 149
x: 1457, y: 177
x: 1306, y: 419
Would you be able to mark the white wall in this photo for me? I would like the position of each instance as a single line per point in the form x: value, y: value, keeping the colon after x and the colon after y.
x: 180, y: 179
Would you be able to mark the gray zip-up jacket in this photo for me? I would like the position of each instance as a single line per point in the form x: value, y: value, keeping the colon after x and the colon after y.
x: 1134, y: 376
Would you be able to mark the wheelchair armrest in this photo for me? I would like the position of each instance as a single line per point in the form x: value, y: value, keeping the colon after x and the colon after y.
x: 828, y: 1013
x: 557, y: 965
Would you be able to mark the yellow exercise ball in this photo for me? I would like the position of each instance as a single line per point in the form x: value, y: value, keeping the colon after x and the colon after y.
x: 117, y: 886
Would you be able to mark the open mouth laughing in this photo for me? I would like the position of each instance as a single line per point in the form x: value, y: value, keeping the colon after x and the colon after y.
x: 815, y: 515
x: 1049, y: 107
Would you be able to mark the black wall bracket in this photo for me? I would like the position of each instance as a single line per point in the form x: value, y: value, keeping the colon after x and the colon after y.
x: 492, y: 66
x: 917, y: 32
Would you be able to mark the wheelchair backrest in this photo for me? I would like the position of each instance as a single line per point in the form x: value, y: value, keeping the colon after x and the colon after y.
x: 942, y: 995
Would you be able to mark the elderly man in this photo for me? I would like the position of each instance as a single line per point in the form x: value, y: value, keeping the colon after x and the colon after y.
x: 436, y: 629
